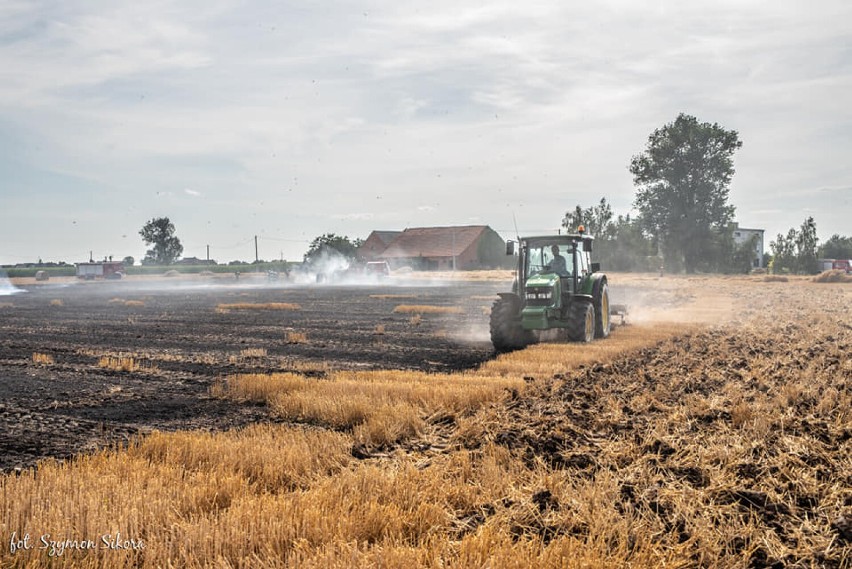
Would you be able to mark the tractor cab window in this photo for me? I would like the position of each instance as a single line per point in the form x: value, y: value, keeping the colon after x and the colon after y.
x: 582, y: 259
x: 556, y: 259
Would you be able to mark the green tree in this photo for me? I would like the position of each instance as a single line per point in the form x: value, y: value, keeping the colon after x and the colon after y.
x: 630, y: 249
x: 837, y: 247
x: 797, y: 251
x: 683, y: 179
x: 620, y: 244
x: 597, y: 220
x: 741, y: 257
x: 160, y: 232
x: 331, y: 244
x: 128, y: 261
x: 806, y: 247
x: 784, y: 252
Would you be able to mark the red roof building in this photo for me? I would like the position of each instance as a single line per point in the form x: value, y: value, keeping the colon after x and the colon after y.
x: 375, y: 244
x: 464, y: 248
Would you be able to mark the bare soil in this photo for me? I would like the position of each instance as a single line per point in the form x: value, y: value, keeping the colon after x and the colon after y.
x: 732, y: 441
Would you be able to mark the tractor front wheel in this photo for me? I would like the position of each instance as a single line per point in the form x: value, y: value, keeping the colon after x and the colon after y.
x: 581, y: 316
x: 507, y: 334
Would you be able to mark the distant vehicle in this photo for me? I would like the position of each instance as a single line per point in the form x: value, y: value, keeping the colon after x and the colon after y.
x: 113, y: 270
x: 378, y: 269
x: 836, y: 265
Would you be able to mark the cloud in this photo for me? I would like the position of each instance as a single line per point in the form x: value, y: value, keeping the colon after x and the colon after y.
x: 75, y: 48
x: 353, y: 216
x: 539, y: 105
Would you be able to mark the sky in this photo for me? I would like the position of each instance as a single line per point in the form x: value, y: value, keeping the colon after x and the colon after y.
x: 288, y: 120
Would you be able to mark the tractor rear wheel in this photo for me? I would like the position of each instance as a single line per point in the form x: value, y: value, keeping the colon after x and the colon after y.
x: 603, y: 321
x: 507, y: 334
x: 581, y: 319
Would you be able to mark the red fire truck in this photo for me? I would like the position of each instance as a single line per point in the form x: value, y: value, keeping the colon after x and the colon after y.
x: 100, y: 270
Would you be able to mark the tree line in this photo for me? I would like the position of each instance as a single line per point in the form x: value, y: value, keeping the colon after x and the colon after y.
x: 159, y: 234
x: 685, y: 220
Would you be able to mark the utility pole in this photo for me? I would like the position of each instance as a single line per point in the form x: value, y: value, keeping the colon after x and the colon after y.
x: 208, y: 254
x: 256, y: 258
x: 454, y: 250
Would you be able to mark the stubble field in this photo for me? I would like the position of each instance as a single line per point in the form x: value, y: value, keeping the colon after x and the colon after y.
x: 345, y: 426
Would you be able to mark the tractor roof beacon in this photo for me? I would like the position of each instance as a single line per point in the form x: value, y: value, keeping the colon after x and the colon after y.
x: 556, y: 287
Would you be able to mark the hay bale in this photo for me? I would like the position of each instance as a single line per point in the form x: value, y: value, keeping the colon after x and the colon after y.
x: 42, y: 276
x: 833, y: 276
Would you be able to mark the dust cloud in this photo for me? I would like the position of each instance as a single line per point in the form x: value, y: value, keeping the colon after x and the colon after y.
x: 470, y: 333
x: 652, y: 300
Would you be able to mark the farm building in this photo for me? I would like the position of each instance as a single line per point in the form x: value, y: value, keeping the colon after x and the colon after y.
x: 375, y: 244
x: 742, y: 236
x: 446, y: 248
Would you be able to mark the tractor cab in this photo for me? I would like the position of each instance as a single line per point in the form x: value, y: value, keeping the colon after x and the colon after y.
x: 546, y: 258
x: 542, y: 258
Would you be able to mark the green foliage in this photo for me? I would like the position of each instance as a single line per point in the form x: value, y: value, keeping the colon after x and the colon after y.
x: 836, y: 247
x: 128, y: 261
x: 629, y: 248
x: 796, y: 252
x: 160, y: 232
x: 20, y: 272
x: 241, y: 267
x: 683, y: 179
x: 331, y: 244
x: 620, y: 245
x: 742, y: 257
x: 597, y: 220
x: 728, y: 256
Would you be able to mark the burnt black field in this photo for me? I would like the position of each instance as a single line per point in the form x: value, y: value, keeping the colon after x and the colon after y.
x: 185, y: 338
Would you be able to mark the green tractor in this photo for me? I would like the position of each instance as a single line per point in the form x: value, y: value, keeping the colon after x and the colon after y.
x: 556, y: 287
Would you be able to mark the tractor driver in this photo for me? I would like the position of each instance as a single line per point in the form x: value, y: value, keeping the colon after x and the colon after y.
x: 558, y: 265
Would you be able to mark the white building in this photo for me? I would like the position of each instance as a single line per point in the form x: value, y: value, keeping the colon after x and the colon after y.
x: 743, y: 235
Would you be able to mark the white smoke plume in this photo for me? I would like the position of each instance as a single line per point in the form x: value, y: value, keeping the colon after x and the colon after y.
x: 6, y: 286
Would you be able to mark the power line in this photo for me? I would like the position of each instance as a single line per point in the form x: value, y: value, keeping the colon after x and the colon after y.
x: 283, y: 239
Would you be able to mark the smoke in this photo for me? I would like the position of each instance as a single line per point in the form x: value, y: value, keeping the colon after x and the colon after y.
x: 6, y: 286
x: 327, y: 266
